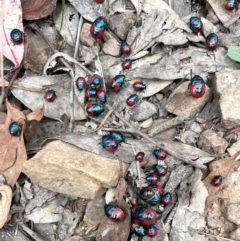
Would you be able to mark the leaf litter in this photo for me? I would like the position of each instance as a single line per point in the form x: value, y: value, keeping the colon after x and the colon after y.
x: 159, y: 58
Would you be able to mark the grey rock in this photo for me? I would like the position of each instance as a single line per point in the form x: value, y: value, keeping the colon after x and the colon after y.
x: 232, y: 213
x: 85, y: 36
x: 235, y: 234
x: 227, y: 87
x: 94, y: 212
x: 120, y: 24
x: 67, y: 169
x: 143, y: 110
x: 68, y: 224
x: 212, y: 142
x: 111, y: 47
x: 182, y: 104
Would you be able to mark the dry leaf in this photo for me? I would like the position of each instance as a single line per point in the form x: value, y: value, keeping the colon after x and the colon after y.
x: 12, y: 19
x: 36, y: 115
x: 109, y: 231
x: 5, y: 203
x: 35, y: 9
x: 220, y: 167
x: 12, y: 149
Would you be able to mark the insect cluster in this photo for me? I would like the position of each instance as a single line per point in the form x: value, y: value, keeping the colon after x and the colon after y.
x: 112, y: 141
x: 144, y: 212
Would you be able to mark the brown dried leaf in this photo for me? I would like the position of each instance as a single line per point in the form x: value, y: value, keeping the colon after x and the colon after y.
x: 5, y: 203
x: 35, y: 115
x: 109, y: 231
x: 30, y: 130
x: 220, y: 167
x: 36, y: 9
x: 12, y: 148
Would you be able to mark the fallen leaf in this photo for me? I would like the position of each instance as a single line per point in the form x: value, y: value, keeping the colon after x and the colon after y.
x: 220, y: 167
x: 35, y: 115
x: 12, y: 19
x: 30, y: 130
x: 5, y: 203
x: 109, y: 231
x: 12, y: 148
x: 35, y: 9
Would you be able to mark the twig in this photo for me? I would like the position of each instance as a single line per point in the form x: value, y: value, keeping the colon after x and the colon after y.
x: 170, y: 217
x: 217, y: 236
x: 78, y: 37
x: 173, y: 153
x: 103, y: 121
x: 166, y: 125
x: 30, y: 232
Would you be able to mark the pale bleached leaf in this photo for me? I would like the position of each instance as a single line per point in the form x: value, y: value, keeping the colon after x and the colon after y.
x: 151, y: 28
x: 89, y: 9
x: 138, y: 5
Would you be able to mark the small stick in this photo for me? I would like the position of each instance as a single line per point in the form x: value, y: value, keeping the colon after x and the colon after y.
x: 173, y: 153
x: 103, y: 121
x: 30, y: 232
x: 166, y: 125
x: 219, y: 237
x: 137, y: 164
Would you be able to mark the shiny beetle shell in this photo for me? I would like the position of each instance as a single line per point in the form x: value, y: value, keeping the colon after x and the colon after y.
x: 94, y: 109
x: 96, y: 82
x: 50, y: 95
x: 160, y: 154
x: 166, y: 198
x: 102, y: 96
x: 161, y: 170
x: 146, y: 193
x: 80, y: 83
x: 99, y: 1
x: 132, y: 100
x: 149, y: 216
x: 137, y: 228
x: 196, y: 24
x: 115, y: 214
x: 109, y: 143
x: 231, y: 4
x: 197, y: 90
x: 197, y: 80
x: 98, y: 27
x: 211, y: 42
x: 118, y: 136
x: 116, y: 83
x: 17, y: 36
x: 139, y: 156
x: 217, y: 180
x: 127, y: 64
x: 15, y: 129
x: 138, y: 211
x: 157, y: 189
x: 90, y: 93
x: 151, y: 231
x: 155, y: 200
x: 152, y: 178
x: 126, y: 48
x: 139, y: 85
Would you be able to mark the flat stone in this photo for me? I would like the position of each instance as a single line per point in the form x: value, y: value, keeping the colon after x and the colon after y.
x: 235, y: 147
x: 65, y: 168
x: 227, y: 87
x: 120, y: 24
x: 111, y: 47
x: 143, y: 110
x: 86, y: 37
x: 232, y: 213
x: 94, y: 212
x: 182, y: 104
x: 212, y: 142
x: 235, y: 234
